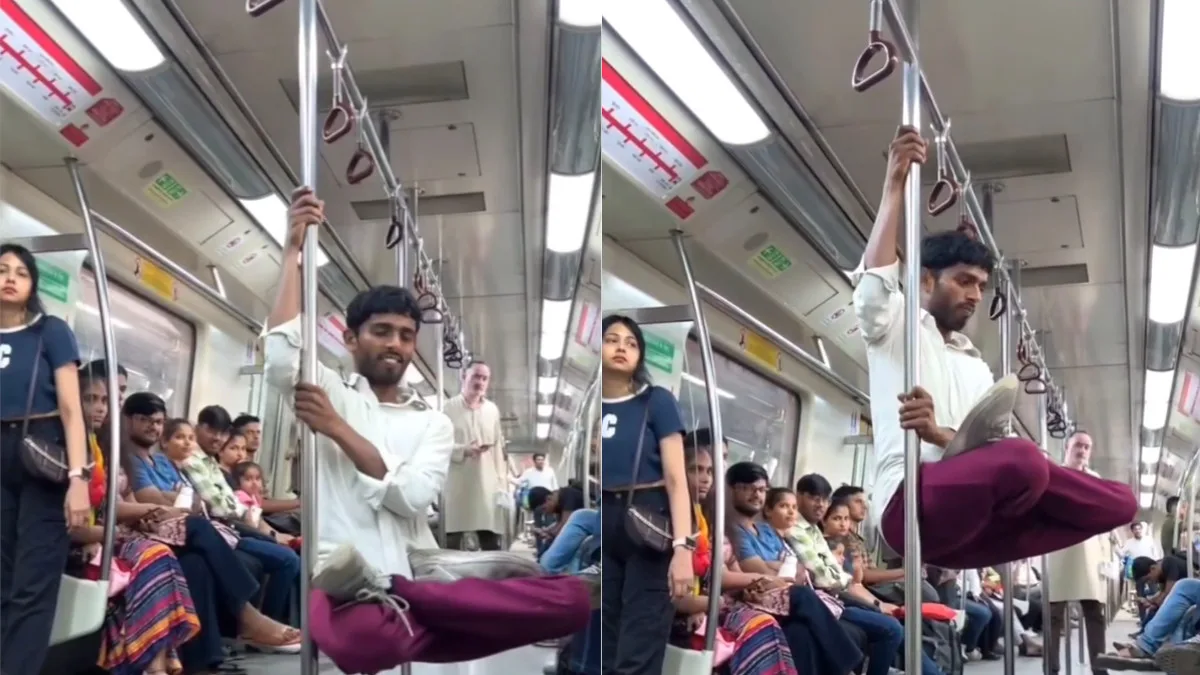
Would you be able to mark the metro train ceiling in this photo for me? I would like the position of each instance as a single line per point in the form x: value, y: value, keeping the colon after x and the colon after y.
x: 1074, y: 206
x: 448, y: 88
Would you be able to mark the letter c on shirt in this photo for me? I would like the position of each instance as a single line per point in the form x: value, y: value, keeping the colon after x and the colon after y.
x: 608, y: 426
x: 5, y: 355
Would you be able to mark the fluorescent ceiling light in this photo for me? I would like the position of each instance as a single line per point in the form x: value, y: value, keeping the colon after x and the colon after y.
x: 1148, y: 479
x: 1178, y: 78
x: 1156, y: 398
x: 822, y: 351
x: 543, y: 430
x: 552, y: 346
x: 1151, y: 454
x: 1147, y: 500
x: 654, y: 30
x: 568, y: 202
x: 547, y: 385
x: 545, y: 410
x: 700, y: 383
x: 581, y: 13
x: 1170, y: 282
x: 113, y: 32
x: 556, y: 314
x: 270, y: 213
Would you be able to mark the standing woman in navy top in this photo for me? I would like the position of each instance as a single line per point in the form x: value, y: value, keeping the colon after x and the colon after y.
x: 639, y: 581
x: 34, y: 513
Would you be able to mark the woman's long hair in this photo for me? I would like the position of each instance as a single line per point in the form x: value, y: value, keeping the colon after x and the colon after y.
x: 33, y: 306
x: 641, y: 377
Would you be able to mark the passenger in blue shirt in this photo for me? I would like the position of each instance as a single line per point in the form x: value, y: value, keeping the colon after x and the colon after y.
x: 638, y: 582
x: 756, y: 545
x: 39, y: 367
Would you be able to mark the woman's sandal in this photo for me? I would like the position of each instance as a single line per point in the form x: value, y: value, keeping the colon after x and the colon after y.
x: 286, y: 641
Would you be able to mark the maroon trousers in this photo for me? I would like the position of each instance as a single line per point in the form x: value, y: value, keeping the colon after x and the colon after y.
x: 448, y: 622
x: 1005, y: 502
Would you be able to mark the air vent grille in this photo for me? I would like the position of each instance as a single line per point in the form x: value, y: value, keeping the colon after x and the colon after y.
x: 427, y: 205
x: 1054, y: 275
x: 396, y: 87
x: 1013, y: 158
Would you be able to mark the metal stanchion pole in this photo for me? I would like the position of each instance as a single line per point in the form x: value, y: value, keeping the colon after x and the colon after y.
x: 1043, y: 432
x: 307, y: 106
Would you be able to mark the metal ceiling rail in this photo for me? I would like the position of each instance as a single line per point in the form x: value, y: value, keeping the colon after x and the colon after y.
x: 817, y: 365
x: 941, y: 124
x: 190, y: 280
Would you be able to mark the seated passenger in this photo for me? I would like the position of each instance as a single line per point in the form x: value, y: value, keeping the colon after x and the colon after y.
x: 874, y: 617
x: 562, y: 556
x: 232, y: 453
x: 759, y: 644
x: 1003, y: 502
x: 642, y: 437
x: 760, y: 548
x: 39, y: 400
x: 855, y: 499
x: 1163, y: 638
x: 382, y: 456
x: 159, y: 478
x: 153, y: 613
x: 250, y: 427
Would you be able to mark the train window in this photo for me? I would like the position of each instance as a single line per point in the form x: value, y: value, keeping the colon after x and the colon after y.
x: 155, y: 346
x: 760, y: 418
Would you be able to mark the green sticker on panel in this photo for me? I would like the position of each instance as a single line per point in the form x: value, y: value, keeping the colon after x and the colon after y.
x: 660, y: 353
x: 166, y: 190
x: 771, y: 261
x: 53, y: 281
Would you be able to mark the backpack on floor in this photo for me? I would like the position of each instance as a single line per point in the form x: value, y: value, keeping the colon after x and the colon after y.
x: 944, y: 645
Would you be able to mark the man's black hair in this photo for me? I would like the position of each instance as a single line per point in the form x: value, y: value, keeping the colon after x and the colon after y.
x: 944, y: 250
x: 98, y: 370
x: 701, y: 438
x: 216, y: 418
x: 1172, y: 502
x: 33, y: 306
x: 845, y: 492
x: 143, y: 403
x: 746, y: 473
x: 1141, y: 567
x: 641, y: 376
x: 537, y: 497
x: 570, y: 499
x: 382, y: 300
x: 814, y: 484
x: 245, y: 418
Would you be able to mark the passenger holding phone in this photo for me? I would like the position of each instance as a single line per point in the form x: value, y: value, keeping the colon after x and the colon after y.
x: 477, y: 483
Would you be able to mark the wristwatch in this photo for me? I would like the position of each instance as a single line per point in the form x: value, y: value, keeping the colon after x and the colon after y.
x: 84, y: 474
x: 688, y: 543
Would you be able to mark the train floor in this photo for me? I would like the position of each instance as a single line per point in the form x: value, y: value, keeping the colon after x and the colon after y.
x: 523, y: 661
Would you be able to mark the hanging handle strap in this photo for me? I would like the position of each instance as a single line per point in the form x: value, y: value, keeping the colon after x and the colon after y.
x: 362, y: 162
x: 945, y: 192
x: 340, y: 118
x: 257, y: 8
x: 862, y: 79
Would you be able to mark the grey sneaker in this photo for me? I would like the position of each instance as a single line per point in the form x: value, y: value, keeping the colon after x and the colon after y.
x: 1179, y: 659
x: 346, y: 573
x: 990, y: 420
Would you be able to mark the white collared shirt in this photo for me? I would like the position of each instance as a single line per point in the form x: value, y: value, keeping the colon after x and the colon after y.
x: 952, y: 371
x: 382, y: 518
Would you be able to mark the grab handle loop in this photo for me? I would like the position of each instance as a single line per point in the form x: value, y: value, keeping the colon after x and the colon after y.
x: 999, y: 306
x: 945, y: 192
x: 340, y: 119
x: 862, y: 80
x: 362, y: 162
x: 257, y: 8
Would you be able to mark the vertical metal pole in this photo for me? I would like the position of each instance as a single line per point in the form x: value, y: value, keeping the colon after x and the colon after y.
x: 440, y: 383
x: 1043, y: 434
x: 110, y: 356
x: 911, y: 116
x: 1005, y: 570
x: 1082, y: 636
x: 309, y: 512
x: 589, y: 425
x: 1191, y: 524
x: 714, y: 415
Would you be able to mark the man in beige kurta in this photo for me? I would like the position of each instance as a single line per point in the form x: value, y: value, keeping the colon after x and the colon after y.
x: 1075, y: 573
x: 478, y: 477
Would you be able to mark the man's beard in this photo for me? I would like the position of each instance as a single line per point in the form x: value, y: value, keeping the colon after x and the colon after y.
x: 747, y: 511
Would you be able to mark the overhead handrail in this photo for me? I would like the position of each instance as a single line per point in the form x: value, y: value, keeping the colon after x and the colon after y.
x: 257, y: 8
x: 904, y: 43
x: 190, y: 280
x: 787, y: 346
x: 382, y: 164
x: 862, y: 79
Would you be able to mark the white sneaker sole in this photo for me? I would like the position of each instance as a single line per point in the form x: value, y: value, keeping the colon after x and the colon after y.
x: 989, y: 420
x: 344, y: 573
